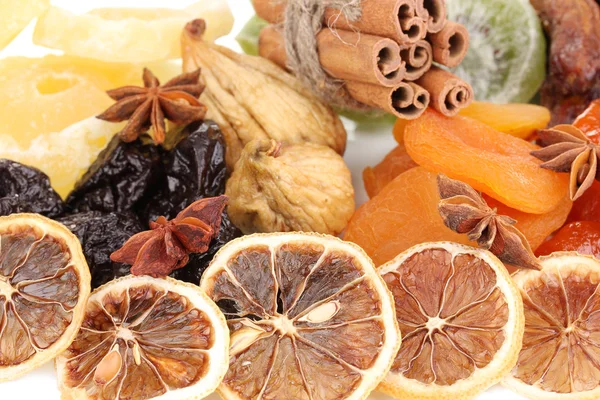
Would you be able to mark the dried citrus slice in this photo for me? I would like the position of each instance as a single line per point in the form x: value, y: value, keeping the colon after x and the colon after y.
x: 560, y: 358
x: 128, y: 35
x: 146, y: 338
x: 44, y: 285
x: 461, y: 319
x: 309, y: 318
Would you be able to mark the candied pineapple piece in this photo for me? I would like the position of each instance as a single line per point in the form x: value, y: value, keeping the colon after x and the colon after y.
x: 64, y: 156
x: 15, y: 15
x: 128, y: 35
x: 42, y: 95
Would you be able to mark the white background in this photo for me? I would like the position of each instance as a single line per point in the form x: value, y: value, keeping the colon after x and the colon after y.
x: 365, y: 147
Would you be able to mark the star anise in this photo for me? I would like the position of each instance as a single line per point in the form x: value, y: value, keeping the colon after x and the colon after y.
x: 176, y: 100
x: 166, y: 247
x: 570, y: 150
x: 465, y: 211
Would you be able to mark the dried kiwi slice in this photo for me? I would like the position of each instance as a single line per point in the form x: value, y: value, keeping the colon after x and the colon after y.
x: 146, y: 338
x: 461, y: 319
x: 44, y: 285
x: 309, y: 318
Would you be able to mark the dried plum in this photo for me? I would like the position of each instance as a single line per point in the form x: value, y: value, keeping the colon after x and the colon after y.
x: 118, y: 179
x: 27, y: 189
x: 194, y: 169
x: 101, y: 234
x: 198, y: 263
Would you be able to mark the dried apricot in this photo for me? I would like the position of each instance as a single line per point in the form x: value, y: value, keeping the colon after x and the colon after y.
x: 493, y: 162
x: 587, y: 207
x: 394, y: 164
x: 589, y: 121
x: 519, y: 120
x: 393, y: 221
x: 582, y: 237
x: 516, y: 119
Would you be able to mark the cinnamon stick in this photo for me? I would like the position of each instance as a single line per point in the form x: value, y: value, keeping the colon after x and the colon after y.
x: 344, y: 55
x: 394, y: 19
x: 450, y: 45
x: 449, y: 93
x: 433, y: 12
x: 407, y: 101
x: 418, y: 58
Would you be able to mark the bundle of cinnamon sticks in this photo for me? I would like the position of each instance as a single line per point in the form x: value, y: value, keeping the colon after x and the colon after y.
x: 385, y: 59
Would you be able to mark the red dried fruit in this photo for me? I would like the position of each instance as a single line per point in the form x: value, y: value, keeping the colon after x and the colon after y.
x: 582, y: 237
x: 587, y: 207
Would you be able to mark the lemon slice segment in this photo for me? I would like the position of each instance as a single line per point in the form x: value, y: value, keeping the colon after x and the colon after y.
x: 560, y: 358
x: 146, y: 338
x: 309, y: 317
x: 461, y: 319
x: 44, y: 285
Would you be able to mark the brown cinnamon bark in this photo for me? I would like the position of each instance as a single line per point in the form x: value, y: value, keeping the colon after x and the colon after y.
x: 449, y: 93
x: 450, y: 45
x: 344, y: 55
x: 418, y: 58
x: 407, y: 101
x: 394, y: 19
x: 433, y: 12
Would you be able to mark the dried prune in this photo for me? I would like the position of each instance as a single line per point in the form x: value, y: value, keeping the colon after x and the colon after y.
x: 198, y: 263
x: 194, y: 169
x: 27, y: 189
x: 101, y: 234
x: 118, y: 179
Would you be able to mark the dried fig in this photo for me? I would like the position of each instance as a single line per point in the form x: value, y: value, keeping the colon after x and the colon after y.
x: 299, y: 187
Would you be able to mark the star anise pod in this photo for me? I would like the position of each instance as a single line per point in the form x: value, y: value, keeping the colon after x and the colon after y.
x: 176, y: 100
x: 166, y: 247
x: 465, y: 211
x: 568, y: 149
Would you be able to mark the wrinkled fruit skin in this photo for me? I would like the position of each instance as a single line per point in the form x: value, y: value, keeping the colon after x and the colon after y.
x: 395, y: 163
x: 587, y: 207
x: 118, y: 179
x: 582, y: 237
x: 490, y: 161
x: 193, y: 170
x: 198, y: 263
x: 27, y: 190
x: 284, y: 188
x: 100, y: 234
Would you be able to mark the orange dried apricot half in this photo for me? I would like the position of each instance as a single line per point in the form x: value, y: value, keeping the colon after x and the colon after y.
x: 395, y: 163
x: 393, y: 221
x: 44, y: 286
x: 560, y: 358
x: 461, y: 319
x: 490, y: 161
x: 146, y: 338
x: 309, y: 318
x: 516, y: 119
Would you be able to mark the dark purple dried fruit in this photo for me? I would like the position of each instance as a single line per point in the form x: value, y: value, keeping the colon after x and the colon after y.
x: 26, y: 189
x: 101, y: 234
x: 118, y: 179
x: 193, y: 170
x: 198, y: 263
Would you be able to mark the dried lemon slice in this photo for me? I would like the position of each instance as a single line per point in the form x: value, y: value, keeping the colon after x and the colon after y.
x: 461, y: 319
x: 44, y: 285
x: 146, y: 338
x: 560, y: 358
x: 309, y: 317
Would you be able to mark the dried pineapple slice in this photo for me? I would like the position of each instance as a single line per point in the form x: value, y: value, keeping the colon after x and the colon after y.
x: 128, y: 35
x: 15, y: 15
